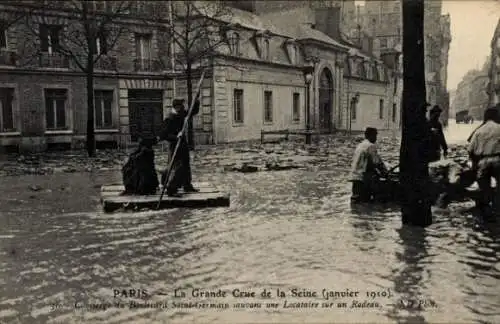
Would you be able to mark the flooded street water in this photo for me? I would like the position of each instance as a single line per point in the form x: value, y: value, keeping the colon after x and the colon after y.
x: 284, y: 230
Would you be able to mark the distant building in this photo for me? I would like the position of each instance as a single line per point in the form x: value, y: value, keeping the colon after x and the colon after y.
x: 494, y: 69
x: 471, y: 94
x: 366, y: 85
x: 255, y: 81
x: 383, y: 19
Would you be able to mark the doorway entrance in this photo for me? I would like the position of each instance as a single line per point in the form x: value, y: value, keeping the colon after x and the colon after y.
x: 325, y: 100
x: 145, y: 109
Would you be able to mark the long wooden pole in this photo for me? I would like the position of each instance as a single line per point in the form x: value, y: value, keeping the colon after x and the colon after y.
x: 183, y: 130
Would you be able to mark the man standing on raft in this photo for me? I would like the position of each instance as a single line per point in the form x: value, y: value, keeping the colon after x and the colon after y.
x: 180, y: 176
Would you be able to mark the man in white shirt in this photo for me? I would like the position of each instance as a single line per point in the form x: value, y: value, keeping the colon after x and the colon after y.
x: 484, y: 151
x: 367, y: 166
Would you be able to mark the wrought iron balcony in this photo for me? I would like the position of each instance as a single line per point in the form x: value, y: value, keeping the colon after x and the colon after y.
x: 147, y: 65
x: 106, y: 63
x: 54, y: 60
x: 8, y: 58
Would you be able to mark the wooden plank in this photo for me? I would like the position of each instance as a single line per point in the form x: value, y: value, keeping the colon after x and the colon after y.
x: 119, y: 187
x: 189, y: 200
x: 143, y: 199
x: 203, y: 190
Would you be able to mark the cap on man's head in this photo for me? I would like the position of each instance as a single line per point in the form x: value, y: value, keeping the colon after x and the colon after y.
x: 436, y: 109
x: 178, y: 103
x: 491, y: 114
x: 370, y: 131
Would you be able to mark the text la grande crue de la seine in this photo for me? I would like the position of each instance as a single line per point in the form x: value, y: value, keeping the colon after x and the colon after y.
x: 280, y: 293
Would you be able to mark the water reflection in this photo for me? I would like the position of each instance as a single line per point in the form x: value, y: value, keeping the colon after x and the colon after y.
x: 482, y: 267
x: 409, y: 278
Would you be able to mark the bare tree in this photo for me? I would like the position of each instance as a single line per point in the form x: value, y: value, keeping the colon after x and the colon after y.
x: 196, y: 30
x: 91, y: 30
x: 414, y: 175
x: 12, y: 14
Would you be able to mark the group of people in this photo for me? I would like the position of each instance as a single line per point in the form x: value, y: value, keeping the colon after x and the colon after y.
x: 139, y: 172
x: 368, y: 168
x: 484, y: 152
x: 140, y: 177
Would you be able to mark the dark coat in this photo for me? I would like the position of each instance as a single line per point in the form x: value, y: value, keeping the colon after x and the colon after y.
x: 436, y: 140
x: 174, y: 122
x: 139, y: 173
x: 181, y: 168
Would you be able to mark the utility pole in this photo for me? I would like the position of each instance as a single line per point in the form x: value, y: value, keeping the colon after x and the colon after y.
x: 414, y: 171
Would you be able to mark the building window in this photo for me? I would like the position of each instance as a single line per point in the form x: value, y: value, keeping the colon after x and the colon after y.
x: 395, y: 85
x: 293, y: 52
x: 383, y: 43
x: 99, y: 5
x: 361, y: 70
x: 347, y: 67
x: 234, y: 43
x: 49, y: 38
x: 266, y: 49
x: 375, y: 75
x: 353, y: 109
x: 238, y: 106
x: 143, y: 49
x: 381, y: 109
x: 296, y: 107
x: 7, y: 110
x: 3, y: 34
x: 55, y: 109
x: 268, y: 106
x: 394, y: 112
x: 100, y: 44
x: 103, y: 107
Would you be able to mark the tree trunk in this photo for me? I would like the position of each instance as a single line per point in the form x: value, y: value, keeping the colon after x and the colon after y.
x: 91, y: 147
x: 189, y: 82
x: 414, y: 172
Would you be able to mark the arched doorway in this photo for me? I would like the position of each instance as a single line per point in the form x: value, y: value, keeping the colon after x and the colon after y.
x: 325, y: 100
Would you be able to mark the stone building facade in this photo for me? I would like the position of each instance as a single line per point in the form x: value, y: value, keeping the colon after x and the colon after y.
x: 494, y: 69
x: 471, y: 94
x: 383, y: 19
x: 254, y: 82
x: 44, y: 95
x: 365, y: 86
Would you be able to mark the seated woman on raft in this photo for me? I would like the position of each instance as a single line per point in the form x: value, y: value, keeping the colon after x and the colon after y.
x: 139, y: 173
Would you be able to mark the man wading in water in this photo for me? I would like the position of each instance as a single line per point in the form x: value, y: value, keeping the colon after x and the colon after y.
x: 180, y: 175
x: 484, y: 152
x: 367, y: 167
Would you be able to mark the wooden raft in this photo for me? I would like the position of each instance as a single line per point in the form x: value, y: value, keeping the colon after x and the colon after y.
x: 208, y: 196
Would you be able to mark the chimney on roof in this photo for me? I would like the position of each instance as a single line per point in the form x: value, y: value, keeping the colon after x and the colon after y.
x: 328, y: 21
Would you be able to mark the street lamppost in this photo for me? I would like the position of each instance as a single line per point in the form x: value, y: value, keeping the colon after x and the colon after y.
x: 308, y: 76
x: 352, y: 105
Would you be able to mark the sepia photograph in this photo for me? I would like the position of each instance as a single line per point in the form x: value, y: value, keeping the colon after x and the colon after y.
x: 250, y: 162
